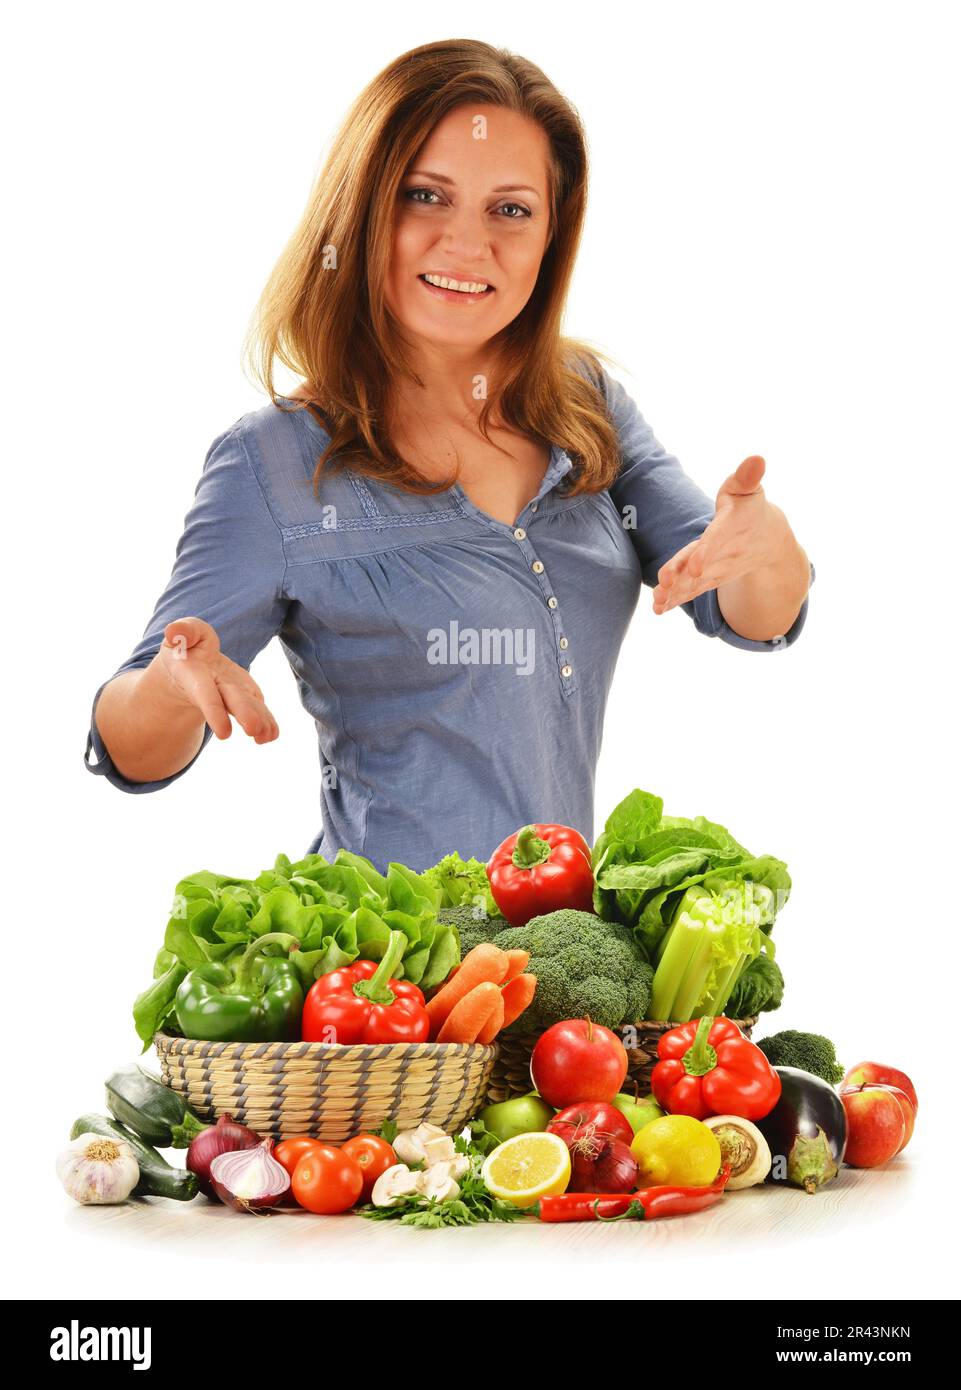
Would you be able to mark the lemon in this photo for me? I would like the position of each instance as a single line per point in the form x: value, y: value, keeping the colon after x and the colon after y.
x: 528, y: 1167
x: 677, y: 1150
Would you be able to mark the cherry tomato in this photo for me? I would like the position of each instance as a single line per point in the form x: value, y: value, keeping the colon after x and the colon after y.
x: 374, y: 1155
x: 287, y: 1154
x: 326, y: 1180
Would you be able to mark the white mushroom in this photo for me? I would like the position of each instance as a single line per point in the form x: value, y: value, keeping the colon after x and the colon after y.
x: 439, y: 1150
x: 408, y: 1147
x: 395, y: 1184
x: 436, y: 1183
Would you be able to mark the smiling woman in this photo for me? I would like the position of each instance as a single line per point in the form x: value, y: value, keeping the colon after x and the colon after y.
x: 448, y: 522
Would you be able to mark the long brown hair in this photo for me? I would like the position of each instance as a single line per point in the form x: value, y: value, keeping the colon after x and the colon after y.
x: 322, y: 312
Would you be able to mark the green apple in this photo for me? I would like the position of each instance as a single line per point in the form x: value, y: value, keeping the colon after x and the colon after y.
x: 523, y: 1115
x: 638, y: 1112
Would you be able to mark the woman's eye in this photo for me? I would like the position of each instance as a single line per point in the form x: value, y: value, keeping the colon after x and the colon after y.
x: 411, y: 193
x: 524, y: 212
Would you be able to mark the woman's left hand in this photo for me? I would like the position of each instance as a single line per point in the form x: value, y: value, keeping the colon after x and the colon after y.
x: 747, y: 533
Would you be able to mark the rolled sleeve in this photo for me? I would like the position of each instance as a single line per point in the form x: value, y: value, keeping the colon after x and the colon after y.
x: 663, y: 510
x: 229, y: 570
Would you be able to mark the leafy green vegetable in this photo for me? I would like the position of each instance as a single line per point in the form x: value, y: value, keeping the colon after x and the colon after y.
x: 807, y: 1051
x: 462, y: 882
x: 698, y: 902
x: 583, y: 966
x: 760, y: 989
x: 338, y: 912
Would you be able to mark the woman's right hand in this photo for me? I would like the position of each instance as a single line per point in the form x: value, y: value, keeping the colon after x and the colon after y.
x: 205, y: 679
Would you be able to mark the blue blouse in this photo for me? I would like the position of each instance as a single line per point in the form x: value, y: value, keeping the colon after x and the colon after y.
x: 456, y: 668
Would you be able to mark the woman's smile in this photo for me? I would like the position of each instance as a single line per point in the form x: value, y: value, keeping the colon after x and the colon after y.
x: 456, y: 291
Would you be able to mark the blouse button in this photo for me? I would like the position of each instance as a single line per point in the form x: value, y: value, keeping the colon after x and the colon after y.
x: 520, y: 534
x: 552, y: 602
x: 538, y: 567
x: 564, y: 644
x: 567, y: 672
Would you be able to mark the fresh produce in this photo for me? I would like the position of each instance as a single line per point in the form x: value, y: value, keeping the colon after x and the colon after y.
x: 646, y: 865
x: 541, y: 869
x: 462, y: 883
x: 326, y: 1180
x: 907, y: 1109
x: 806, y: 1131
x: 526, y: 1168
x: 592, y: 1117
x: 339, y: 912
x: 144, y: 1104
x: 806, y: 1051
x: 677, y: 1150
x: 760, y: 989
x: 226, y: 1136
x: 401, y: 1194
x: 157, y: 1178
x: 288, y: 1153
x: 425, y: 1145
x: 744, y: 1150
x: 583, y: 966
x: 254, y: 998
x: 645, y: 1204
x: 578, y: 1060
x: 522, y: 1115
x: 373, y: 1156
x: 484, y: 991
x: 875, y: 1073
x: 876, y: 1126
x: 638, y: 1112
x: 472, y: 929
x: 249, y: 1180
x: 710, y: 1068
x: 365, y: 1003
x: 478, y: 1017
x: 96, y: 1171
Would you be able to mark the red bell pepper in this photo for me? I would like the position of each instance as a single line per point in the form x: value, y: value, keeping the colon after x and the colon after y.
x: 643, y: 1205
x: 361, y: 1003
x: 540, y: 869
x: 708, y: 1067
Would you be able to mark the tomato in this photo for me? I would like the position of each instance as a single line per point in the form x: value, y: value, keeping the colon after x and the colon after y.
x: 326, y: 1180
x: 374, y: 1155
x: 287, y: 1153
x: 576, y: 1061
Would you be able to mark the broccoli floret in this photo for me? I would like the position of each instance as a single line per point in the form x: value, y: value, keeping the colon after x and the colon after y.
x: 808, y: 1051
x: 584, y: 967
x: 471, y: 929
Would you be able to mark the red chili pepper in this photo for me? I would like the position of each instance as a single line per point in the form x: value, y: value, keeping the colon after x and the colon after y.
x: 541, y: 869
x: 708, y: 1067
x: 644, y: 1205
x: 361, y: 1003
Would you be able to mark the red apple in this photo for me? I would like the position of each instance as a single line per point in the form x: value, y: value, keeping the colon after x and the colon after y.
x: 876, y: 1126
x: 577, y: 1060
x: 875, y: 1073
x: 907, y: 1109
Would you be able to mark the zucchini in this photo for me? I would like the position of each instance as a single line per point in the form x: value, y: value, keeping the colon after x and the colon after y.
x: 157, y: 1178
x: 152, y: 1110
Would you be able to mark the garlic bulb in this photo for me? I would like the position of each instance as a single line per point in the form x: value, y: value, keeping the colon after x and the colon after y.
x: 98, y: 1171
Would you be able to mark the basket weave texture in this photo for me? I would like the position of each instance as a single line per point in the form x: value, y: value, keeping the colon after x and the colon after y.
x: 325, y: 1090
x: 511, y: 1072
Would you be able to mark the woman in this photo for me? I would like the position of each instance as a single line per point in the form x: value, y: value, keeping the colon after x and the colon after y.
x: 448, y: 523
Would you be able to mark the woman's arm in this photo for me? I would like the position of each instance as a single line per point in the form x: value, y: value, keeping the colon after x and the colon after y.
x: 147, y: 728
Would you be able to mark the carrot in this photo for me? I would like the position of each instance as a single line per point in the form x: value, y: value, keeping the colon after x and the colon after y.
x: 470, y: 1015
x: 485, y: 964
x: 495, y: 1022
x: 517, y: 994
x: 519, y: 960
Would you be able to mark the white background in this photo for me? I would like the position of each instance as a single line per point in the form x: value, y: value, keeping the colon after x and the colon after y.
x: 771, y: 252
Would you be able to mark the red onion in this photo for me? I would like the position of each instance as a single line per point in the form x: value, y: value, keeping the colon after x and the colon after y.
x: 249, y: 1179
x: 226, y: 1136
x: 602, y: 1164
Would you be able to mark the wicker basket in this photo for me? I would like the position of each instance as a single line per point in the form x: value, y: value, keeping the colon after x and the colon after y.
x: 325, y: 1090
x: 511, y: 1073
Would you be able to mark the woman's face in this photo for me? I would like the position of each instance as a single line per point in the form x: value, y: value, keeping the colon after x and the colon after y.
x: 473, y: 208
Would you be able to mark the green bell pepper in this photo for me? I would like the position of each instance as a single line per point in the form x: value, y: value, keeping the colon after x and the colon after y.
x: 250, y: 998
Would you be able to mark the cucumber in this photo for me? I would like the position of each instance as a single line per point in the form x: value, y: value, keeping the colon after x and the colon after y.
x: 157, y: 1178
x: 152, y: 1110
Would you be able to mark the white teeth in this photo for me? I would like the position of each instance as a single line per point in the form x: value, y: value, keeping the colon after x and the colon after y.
x: 465, y: 286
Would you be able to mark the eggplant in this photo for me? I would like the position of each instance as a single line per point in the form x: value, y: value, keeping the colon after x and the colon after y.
x: 807, y: 1131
